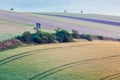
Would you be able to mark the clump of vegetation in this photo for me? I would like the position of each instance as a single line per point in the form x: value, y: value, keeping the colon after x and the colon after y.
x: 38, y: 37
x: 118, y: 39
x: 100, y: 37
x: 26, y: 37
x: 87, y: 37
x: 63, y: 36
x: 43, y: 37
x: 75, y: 34
x: 10, y: 44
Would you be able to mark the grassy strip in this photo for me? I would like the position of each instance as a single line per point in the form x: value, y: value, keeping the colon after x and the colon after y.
x: 8, y: 36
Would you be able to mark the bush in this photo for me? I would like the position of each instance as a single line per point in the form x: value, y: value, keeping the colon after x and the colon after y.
x: 51, y: 38
x: 100, y: 37
x: 118, y: 39
x: 87, y: 37
x: 9, y: 44
x: 26, y: 37
x: 63, y: 36
x: 43, y: 37
x: 75, y: 34
x: 37, y: 39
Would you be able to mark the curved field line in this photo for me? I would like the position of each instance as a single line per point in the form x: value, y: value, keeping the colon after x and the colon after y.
x: 110, y: 77
x: 65, y: 66
x: 17, y: 56
x: 115, y: 77
x: 87, y: 19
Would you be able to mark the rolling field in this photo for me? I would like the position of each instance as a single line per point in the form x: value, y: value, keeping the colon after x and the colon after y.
x: 18, y: 22
x: 93, y: 16
x: 87, y: 19
x: 96, y: 60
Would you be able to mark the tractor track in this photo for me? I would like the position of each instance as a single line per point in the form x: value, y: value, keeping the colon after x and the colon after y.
x: 111, y: 77
x: 52, y: 71
x: 21, y: 55
x: 116, y: 77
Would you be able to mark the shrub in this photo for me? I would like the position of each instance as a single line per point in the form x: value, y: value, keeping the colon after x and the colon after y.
x: 43, y: 37
x: 8, y: 44
x: 87, y: 37
x: 118, y: 39
x: 63, y: 36
x: 51, y: 38
x: 100, y: 37
x: 75, y: 34
x: 37, y: 39
x: 26, y: 37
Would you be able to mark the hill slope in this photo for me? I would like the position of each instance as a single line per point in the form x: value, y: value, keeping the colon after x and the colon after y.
x: 52, y: 22
x: 67, y: 61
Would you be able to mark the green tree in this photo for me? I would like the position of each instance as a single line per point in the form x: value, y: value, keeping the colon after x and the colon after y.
x: 26, y: 37
x: 43, y: 37
x: 11, y: 9
x: 87, y: 37
x: 63, y: 36
x: 75, y: 34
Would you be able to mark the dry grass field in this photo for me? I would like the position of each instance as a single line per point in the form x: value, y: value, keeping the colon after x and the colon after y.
x: 96, y: 60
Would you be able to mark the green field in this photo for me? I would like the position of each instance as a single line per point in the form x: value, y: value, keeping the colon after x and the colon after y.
x: 10, y: 29
x: 66, y: 61
x: 7, y: 36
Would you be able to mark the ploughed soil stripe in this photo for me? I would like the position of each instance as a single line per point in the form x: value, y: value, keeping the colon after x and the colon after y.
x: 65, y: 66
x: 110, y: 77
x: 21, y: 55
x: 87, y: 19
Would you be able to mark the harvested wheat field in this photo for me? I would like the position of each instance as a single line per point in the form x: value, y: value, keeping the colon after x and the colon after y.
x: 96, y: 60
